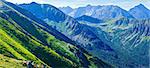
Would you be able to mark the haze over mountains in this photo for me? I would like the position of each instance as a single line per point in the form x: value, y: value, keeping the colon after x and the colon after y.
x: 108, y: 12
x: 94, y: 37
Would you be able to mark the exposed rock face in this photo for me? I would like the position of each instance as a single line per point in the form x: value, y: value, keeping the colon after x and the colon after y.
x: 140, y: 12
x: 100, y: 12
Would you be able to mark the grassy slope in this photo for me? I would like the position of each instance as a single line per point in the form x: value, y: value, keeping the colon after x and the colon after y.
x: 9, y: 44
x: 39, y: 50
x: 6, y: 62
x: 21, y: 39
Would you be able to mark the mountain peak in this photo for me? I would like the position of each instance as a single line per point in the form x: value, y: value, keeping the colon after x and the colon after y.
x: 141, y: 5
x: 34, y: 3
x: 140, y: 11
x: 68, y: 7
x: 89, y: 5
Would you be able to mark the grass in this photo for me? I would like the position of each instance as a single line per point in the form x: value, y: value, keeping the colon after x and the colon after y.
x: 18, y: 49
x: 23, y: 44
x: 21, y: 38
x: 6, y: 62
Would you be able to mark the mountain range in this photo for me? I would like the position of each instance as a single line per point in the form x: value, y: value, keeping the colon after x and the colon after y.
x: 108, y: 12
x: 113, y: 39
x: 29, y: 42
x: 41, y: 35
x: 81, y: 34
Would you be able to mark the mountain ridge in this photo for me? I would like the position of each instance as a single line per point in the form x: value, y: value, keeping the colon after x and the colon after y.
x: 27, y: 36
x: 89, y: 19
x: 80, y: 33
x: 132, y: 13
x: 50, y: 37
x: 100, y: 12
x: 140, y: 12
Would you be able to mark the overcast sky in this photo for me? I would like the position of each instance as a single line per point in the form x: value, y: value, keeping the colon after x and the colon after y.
x: 125, y: 4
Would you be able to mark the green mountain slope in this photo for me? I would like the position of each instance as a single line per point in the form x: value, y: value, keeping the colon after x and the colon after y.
x: 11, y: 63
x: 82, y: 34
x: 130, y: 38
x: 23, y: 38
x: 120, y: 41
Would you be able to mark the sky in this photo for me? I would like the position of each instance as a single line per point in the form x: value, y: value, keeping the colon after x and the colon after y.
x: 125, y: 4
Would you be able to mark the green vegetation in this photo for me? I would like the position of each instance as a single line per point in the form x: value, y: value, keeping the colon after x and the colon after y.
x: 21, y: 38
x: 16, y: 44
x: 6, y: 62
x: 41, y: 51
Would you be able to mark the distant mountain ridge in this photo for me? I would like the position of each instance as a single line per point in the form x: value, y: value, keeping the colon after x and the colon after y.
x: 85, y: 18
x: 100, y: 12
x: 109, y: 12
x: 66, y: 10
x: 140, y: 12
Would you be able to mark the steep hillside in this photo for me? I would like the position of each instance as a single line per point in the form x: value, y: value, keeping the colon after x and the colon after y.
x: 122, y: 41
x: 27, y: 38
x: 80, y: 33
x: 10, y: 62
x: 130, y: 39
x: 65, y: 24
